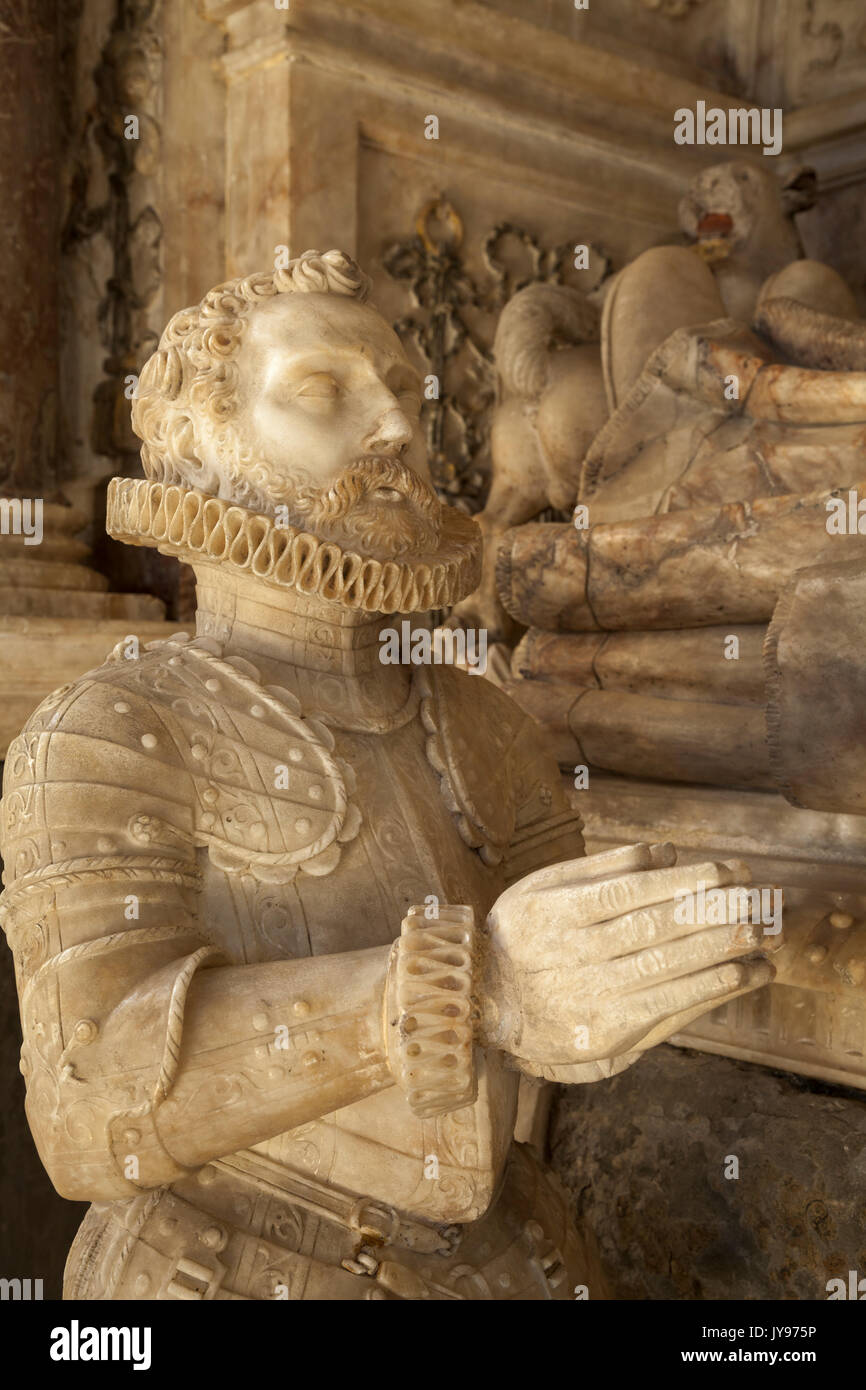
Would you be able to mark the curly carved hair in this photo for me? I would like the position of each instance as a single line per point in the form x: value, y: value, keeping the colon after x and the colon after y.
x: 193, y: 368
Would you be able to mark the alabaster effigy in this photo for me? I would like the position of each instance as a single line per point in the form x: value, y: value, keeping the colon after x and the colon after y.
x: 551, y: 403
x: 300, y: 935
x: 720, y: 373
x: 735, y: 382
x: 721, y: 495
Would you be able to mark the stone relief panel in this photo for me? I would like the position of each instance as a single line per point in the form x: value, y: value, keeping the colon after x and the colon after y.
x: 793, y: 51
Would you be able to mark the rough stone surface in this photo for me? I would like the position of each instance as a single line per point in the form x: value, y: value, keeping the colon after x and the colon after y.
x: 644, y: 1156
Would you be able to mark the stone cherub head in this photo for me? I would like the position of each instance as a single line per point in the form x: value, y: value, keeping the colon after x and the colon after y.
x: 287, y: 394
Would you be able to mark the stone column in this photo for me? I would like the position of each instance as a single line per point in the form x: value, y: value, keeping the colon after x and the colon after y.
x: 29, y: 250
x: 57, y: 618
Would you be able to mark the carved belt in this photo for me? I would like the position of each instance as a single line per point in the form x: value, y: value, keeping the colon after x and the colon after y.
x: 222, y: 1236
x: 371, y: 1222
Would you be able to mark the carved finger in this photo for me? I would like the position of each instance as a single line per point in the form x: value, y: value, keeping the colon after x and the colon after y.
x: 669, y: 1028
x: 625, y: 859
x: 607, y: 941
x: 690, y: 953
x: 634, y: 931
x: 655, y: 927
x: 694, y: 994
x: 580, y: 905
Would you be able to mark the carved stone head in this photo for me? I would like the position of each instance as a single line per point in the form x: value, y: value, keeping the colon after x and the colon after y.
x: 286, y: 391
x: 741, y: 218
x: 737, y: 208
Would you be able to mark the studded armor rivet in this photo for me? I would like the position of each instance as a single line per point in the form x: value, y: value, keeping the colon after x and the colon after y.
x: 85, y: 1030
x: 214, y: 1237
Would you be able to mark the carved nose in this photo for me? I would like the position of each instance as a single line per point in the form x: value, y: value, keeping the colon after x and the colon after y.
x: 391, y: 434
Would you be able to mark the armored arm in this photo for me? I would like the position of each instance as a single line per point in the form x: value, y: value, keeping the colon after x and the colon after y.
x: 146, y: 1051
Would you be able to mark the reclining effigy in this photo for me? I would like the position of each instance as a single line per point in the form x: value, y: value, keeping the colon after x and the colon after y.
x: 731, y: 464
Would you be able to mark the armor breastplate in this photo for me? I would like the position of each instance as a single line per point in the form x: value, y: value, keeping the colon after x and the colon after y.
x: 283, y: 807
x: 258, y: 833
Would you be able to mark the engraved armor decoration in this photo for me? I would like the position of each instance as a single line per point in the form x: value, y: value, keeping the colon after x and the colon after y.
x: 289, y: 924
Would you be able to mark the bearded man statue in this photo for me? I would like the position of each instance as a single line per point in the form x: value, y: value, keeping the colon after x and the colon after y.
x: 292, y: 926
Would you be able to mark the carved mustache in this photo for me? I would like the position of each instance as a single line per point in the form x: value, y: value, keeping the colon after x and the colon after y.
x: 366, y: 476
x: 350, y: 511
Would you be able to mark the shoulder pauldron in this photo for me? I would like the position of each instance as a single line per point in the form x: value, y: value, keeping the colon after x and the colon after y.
x: 270, y: 797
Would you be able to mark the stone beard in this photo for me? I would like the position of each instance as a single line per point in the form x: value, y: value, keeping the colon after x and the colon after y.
x: 379, y: 505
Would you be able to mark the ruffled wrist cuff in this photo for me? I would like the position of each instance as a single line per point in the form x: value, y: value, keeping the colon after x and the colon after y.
x: 430, y: 1014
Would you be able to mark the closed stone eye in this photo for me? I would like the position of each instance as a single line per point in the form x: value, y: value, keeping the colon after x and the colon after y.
x: 320, y: 386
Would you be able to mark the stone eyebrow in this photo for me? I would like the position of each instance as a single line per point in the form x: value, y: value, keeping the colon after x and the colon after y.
x: 309, y: 359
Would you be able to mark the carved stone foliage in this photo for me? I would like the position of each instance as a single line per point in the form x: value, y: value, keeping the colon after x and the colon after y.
x: 111, y: 251
x: 130, y: 82
x: 124, y: 128
x: 451, y: 325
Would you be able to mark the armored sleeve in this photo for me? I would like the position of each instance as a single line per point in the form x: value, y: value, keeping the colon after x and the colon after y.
x: 547, y: 829
x: 146, y: 1052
